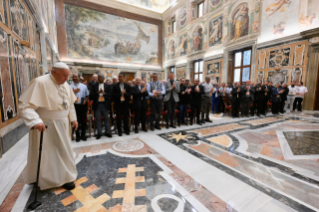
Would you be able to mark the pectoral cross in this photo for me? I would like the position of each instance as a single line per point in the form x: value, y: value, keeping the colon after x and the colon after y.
x: 65, y: 105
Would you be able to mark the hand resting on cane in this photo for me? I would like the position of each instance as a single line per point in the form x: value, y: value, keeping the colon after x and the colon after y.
x: 40, y: 127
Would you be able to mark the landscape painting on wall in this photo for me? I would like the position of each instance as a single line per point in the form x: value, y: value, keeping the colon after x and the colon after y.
x: 121, y: 40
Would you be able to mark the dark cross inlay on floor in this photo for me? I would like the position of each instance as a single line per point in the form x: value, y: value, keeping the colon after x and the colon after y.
x: 303, y: 143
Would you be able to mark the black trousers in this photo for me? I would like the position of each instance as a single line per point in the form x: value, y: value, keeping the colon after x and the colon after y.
x: 258, y: 106
x: 263, y: 106
x: 171, y: 106
x: 140, y: 116
x: 156, y: 111
x: 245, y: 106
x: 221, y: 105
x: 195, y: 108
x: 281, y: 106
x: 122, y: 113
x: 298, y: 101
x: 111, y: 115
x: 81, y: 113
x: 275, y: 107
x: 235, y: 103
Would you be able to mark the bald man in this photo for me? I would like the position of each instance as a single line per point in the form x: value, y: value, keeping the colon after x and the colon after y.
x: 49, y: 101
x: 92, y: 83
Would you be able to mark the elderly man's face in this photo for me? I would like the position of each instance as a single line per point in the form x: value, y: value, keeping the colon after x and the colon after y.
x: 94, y: 78
x: 299, y: 84
x: 138, y: 81
x: 75, y: 78
x: 101, y: 79
x: 182, y: 81
x: 61, y: 75
x: 171, y: 76
x: 114, y: 80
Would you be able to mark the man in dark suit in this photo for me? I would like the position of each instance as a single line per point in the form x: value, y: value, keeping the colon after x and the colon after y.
x: 235, y: 100
x: 92, y: 83
x: 196, y: 93
x: 139, y: 106
x: 259, y: 97
x: 283, y: 95
x: 121, y: 98
x: 275, y: 99
x: 247, y: 96
x: 101, y: 94
x: 265, y: 98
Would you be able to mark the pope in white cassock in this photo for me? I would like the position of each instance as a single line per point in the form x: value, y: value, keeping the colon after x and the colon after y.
x: 49, y: 101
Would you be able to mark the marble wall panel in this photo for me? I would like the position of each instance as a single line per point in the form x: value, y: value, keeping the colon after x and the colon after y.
x: 181, y: 72
x: 18, y: 15
x: 49, y: 58
x: 261, y: 60
x: 214, y: 69
x: 299, y: 55
x: 3, y: 12
x: 7, y: 94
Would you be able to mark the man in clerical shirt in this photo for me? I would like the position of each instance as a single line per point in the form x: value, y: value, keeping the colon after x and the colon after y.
x: 155, y: 90
x: 82, y: 95
x: 49, y: 101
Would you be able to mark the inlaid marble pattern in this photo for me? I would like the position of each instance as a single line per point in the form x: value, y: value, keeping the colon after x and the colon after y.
x: 303, y: 143
x: 223, y: 140
x: 261, y: 121
x: 218, y: 129
x: 110, y: 182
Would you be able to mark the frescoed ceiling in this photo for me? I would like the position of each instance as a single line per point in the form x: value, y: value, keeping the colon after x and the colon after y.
x: 155, y: 5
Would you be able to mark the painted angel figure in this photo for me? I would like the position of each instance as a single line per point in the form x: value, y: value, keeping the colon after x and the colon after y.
x: 276, y: 6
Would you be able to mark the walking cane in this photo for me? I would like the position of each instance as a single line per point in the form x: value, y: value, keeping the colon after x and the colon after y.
x: 35, y: 202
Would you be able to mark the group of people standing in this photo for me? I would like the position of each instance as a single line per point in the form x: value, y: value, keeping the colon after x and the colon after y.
x: 253, y: 99
x: 131, y: 99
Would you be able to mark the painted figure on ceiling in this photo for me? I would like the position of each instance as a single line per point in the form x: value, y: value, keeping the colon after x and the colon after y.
x: 276, y: 6
x: 183, y: 45
x: 240, y: 23
x: 198, y: 39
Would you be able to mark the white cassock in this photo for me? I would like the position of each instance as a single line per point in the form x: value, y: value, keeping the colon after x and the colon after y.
x: 42, y: 101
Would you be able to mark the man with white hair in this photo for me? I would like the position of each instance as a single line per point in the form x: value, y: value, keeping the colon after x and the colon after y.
x: 49, y: 101
x: 115, y: 80
x: 92, y: 83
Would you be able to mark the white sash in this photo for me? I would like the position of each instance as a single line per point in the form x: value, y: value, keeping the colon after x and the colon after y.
x: 52, y: 114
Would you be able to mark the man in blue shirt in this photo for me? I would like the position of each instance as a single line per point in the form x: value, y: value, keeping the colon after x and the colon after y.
x: 82, y: 95
x: 156, y: 90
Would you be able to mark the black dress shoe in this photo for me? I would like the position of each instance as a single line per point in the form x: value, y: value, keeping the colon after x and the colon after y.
x: 158, y: 128
x: 136, y: 130
x: 120, y: 133
x: 144, y: 129
x: 108, y: 135
x: 199, y: 123
x: 69, y: 186
x: 152, y: 128
x: 167, y: 127
x: 127, y: 132
x: 203, y: 121
x: 98, y: 136
x: 172, y: 126
x: 83, y: 138
x: 78, y: 139
x: 207, y: 120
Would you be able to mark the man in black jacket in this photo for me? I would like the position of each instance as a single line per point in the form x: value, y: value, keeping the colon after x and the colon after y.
x: 101, y: 94
x: 283, y: 94
x: 265, y: 98
x: 139, y: 106
x: 247, y: 96
x: 235, y: 100
x: 92, y: 83
x: 259, y: 97
x: 196, y: 103
x: 121, y: 98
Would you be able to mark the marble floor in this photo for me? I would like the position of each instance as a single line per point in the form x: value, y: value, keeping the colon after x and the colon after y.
x: 247, y: 164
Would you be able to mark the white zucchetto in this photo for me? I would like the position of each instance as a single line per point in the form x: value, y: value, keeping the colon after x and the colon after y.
x: 61, y: 65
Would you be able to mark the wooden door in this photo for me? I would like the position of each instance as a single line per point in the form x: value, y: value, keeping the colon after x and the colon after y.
x: 87, y: 77
x: 129, y: 76
x: 316, y: 107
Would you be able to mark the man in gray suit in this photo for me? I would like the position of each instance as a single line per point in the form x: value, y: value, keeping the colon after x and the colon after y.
x: 171, y: 98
